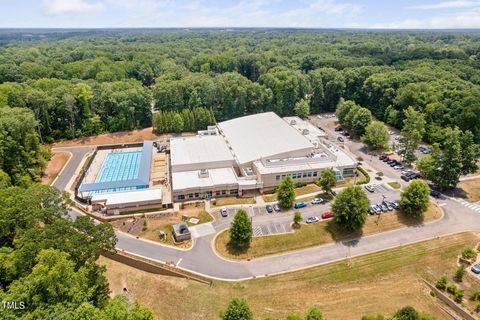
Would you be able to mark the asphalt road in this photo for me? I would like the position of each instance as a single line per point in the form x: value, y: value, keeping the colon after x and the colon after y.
x: 202, y: 259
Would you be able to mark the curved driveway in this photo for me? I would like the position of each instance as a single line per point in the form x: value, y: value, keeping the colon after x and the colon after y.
x: 202, y: 259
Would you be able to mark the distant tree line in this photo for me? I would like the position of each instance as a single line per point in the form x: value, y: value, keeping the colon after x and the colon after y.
x: 81, y: 86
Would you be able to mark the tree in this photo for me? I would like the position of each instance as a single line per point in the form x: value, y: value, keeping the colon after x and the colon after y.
x: 412, y: 133
x: 238, y: 309
x: 5, y: 180
x: 286, y: 193
x: 297, y: 218
x: 302, y: 109
x: 376, y: 136
x: 442, y: 283
x: 460, y: 272
x: 328, y: 180
x: 415, y: 199
x: 407, y: 313
x: 314, y: 314
x: 241, y: 229
x: 361, y: 119
x: 350, y: 208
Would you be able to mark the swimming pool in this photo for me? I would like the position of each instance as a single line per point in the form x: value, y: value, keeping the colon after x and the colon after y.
x: 120, y: 166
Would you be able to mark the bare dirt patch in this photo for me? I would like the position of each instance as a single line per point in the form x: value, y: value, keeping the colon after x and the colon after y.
x: 317, y: 234
x: 54, y: 166
x: 117, y: 137
x: 379, y: 283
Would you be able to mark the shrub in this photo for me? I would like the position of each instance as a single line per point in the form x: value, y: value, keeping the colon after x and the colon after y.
x: 380, y: 174
x: 477, y: 307
x: 300, y: 184
x: 469, y: 253
x: 475, y: 296
x: 458, y: 297
x: 297, y: 217
x: 144, y: 225
x: 460, y: 273
x: 365, y: 173
x: 452, y: 288
x: 442, y: 283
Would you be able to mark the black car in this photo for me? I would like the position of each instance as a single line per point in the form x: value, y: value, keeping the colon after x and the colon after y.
x: 394, y: 163
x: 276, y: 207
x: 405, y: 177
x: 338, y: 129
x: 334, y: 193
x: 389, y: 162
x: 269, y: 208
x: 435, y: 194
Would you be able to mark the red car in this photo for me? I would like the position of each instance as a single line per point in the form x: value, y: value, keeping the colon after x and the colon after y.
x: 327, y: 215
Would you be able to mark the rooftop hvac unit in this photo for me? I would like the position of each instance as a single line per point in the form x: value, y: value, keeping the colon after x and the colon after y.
x: 305, y: 132
x: 203, y: 173
x: 293, y: 122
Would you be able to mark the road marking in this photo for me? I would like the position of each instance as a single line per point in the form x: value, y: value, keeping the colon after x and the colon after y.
x: 180, y: 260
x: 442, y: 204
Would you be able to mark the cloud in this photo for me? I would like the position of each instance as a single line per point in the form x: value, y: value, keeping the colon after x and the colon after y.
x: 456, y: 4
x: 61, y: 7
x: 460, y: 20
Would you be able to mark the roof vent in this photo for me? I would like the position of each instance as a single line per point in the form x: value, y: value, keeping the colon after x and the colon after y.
x: 203, y: 173
x: 305, y: 132
x: 293, y: 122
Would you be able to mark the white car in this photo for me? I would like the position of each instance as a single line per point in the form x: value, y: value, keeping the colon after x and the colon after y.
x: 312, y: 220
x: 223, y: 212
x: 317, y: 201
x: 398, y: 167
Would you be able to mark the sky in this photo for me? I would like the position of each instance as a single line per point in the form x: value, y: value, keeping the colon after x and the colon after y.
x: 399, y: 14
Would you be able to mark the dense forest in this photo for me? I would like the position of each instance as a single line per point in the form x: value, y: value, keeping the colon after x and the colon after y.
x: 83, y: 84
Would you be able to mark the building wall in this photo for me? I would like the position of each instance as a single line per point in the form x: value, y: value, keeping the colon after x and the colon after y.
x: 203, y: 165
x: 216, y: 192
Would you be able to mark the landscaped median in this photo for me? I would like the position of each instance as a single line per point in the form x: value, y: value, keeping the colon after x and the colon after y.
x: 300, y: 191
x: 318, y: 234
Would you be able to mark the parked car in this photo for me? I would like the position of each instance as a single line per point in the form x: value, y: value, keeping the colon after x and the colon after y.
x: 382, y: 156
x: 223, y: 212
x: 476, y: 268
x: 371, y: 210
x: 389, y: 205
x: 276, y: 207
x: 269, y: 208
x: 383, y: 207
x: 377, y: 209
x: 399, y: 166
x: 435, y: 194
x: 338, y: 129
x: 404, y: 172
x: 334, y: 193
x: 299, y: 205
x: 317, y: 201
x: 395, y: 204
x: 340, y: 139
x: 386, y: 159
x: 312, y: 220
x: 327, y: 215
x: 405, y: 178
x: 369, y: 188
x: 393, y: 164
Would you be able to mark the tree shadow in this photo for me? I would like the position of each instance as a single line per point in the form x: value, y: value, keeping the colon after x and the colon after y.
x: 339, y: 234
x: 236, y: 250
x: 410, y: 221
x: 456, y: 192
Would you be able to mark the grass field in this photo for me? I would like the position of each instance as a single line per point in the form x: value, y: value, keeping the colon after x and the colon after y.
x: 232, y: 201
x: 309, y: 188
x: 379, y: 283
x: 395, y: 185
x: 316, y: 234
x: 472, y: 189
x: 54, y: 166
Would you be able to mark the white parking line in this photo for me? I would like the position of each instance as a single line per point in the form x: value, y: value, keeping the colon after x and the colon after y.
x: 178, y: 262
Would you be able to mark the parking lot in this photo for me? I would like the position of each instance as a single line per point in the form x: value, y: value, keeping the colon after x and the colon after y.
x: 272, y: 229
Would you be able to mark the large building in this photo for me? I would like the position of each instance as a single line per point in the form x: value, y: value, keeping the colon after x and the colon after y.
x: 250, y: 154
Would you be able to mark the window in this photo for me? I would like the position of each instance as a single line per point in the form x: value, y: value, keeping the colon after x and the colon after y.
x: 217, y: 193
x: 315, y: 173
x: 294, y: 176
x: 190, y: 195
x: 181, y: 197
x: 304, y: 174
x: 277, y: 178
x: 197, y: 195
x: 224, y: 192
x: 234, y: 192
x: 348, y: 171
x: 309, y: 174
x: 283, y: 176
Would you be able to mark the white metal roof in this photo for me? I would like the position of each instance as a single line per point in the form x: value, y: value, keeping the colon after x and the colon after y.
x: 199, y: 149
x: 127, y: 197
x: 262, y: 135
x: 192, y: 180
